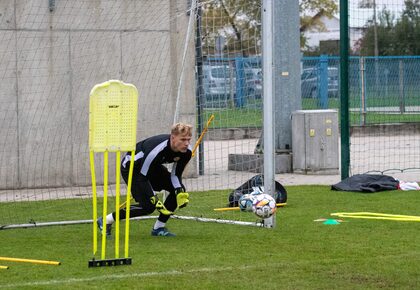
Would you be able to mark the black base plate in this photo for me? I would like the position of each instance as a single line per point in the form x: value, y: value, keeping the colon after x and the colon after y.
x: 109, y: 262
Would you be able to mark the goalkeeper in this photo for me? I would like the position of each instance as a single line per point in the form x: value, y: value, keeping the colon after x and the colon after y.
x: 150, y: 175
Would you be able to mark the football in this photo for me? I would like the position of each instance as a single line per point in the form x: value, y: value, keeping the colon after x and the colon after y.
x: 264, y: 205
x: 245, y: 202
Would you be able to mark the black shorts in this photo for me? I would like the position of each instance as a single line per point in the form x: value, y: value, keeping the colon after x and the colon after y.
x: 142, y: 187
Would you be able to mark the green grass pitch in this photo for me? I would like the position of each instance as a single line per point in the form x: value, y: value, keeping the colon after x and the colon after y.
x: 298, y: 254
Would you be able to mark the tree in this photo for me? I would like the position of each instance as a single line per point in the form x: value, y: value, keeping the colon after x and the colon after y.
x: 385, y: 35
x: 407, y: 30
x: 239, y: 21
x: 311, y: 12
x: 395, y: 36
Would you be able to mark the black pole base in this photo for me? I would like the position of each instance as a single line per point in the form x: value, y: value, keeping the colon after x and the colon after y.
x: 109, y: 262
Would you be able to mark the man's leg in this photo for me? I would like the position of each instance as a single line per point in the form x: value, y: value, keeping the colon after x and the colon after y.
x: 143, y: 194
x: 161, y: 180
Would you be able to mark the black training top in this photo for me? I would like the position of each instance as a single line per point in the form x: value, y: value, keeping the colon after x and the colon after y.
x: 154, y: 151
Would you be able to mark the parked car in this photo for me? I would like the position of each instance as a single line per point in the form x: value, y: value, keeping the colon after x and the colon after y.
x: 253, y: 83
x: 311, y: 79
x: 219, y: 82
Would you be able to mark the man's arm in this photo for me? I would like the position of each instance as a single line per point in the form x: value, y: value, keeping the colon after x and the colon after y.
x: 182, y: 197
x: 178, y: 169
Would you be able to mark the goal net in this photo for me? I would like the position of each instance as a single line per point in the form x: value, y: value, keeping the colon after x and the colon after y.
x: 189, y: 61
x: 383, y: 81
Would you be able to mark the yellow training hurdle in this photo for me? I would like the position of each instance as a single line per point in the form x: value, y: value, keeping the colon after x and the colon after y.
x: 112, y: 128
x: 378, y: 216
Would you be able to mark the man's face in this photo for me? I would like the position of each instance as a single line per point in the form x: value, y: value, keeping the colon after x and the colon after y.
x: 180, y: 143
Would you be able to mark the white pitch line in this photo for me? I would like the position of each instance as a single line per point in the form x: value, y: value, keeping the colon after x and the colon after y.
x: 124, y: 276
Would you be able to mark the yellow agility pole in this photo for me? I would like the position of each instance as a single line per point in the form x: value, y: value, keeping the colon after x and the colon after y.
x: 128, y: 199
x: 94, y: 203
x: 4, y: 267
x: 237, y: 208
x: 112, y: 128
x: 54, y: 263
x: 377, y: 216
x: 104, y: 206
x: 202, y: 135
x: 117, y: 202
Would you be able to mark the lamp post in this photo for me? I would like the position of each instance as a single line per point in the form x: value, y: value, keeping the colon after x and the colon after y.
x: 375, y: 30
x: 375, y: 40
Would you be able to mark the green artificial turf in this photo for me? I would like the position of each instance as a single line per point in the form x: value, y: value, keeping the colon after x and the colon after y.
x: 299, y: 253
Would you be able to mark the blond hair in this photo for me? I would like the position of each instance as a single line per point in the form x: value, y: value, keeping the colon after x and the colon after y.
x: 181, y: 129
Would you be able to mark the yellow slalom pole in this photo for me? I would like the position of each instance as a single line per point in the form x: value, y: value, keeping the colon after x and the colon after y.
x: 202, y: 135
x: 237, y: 208
x: 94, y: 201
x: 4, y: 267
x: 127, y: 211
x: 30, y: 261
x: 105, y: 204
x: 117, y: 202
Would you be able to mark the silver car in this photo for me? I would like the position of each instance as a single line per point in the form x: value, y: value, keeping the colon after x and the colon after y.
x: 311, y: 78
x: 219, y: 83
x: 253, y: 83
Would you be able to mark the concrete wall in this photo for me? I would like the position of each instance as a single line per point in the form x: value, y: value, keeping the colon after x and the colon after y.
x: 49, y: 62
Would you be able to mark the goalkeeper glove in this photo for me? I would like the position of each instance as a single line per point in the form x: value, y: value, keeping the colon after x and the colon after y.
x: 182, y: 197
x: 160, y: 206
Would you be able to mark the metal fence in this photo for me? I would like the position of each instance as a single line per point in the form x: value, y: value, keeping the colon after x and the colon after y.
x: 388, y: 83
x: 376, y: 84
x: 231, y: 82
